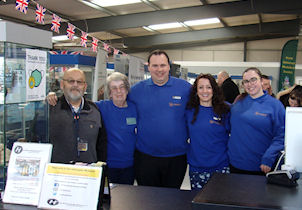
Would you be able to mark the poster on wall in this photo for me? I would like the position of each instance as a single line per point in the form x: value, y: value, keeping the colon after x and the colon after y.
x: 35, y: 75
x: 136, y: 70
x: 100, y: 75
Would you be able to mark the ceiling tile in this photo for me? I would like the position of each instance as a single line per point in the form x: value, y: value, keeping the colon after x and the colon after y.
x: 241, y: 20
x: 170, y: 4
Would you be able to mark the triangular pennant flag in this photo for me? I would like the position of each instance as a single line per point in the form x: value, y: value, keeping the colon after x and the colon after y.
x: 84, y: 39
x: 56, y: 23
x: 22, y: 5
x: 106, y: 47
x: 115, y: 51
x: 70, y: 31
x: 40, y: 13
x: 94, y: 44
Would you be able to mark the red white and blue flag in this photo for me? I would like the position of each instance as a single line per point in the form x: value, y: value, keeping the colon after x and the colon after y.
x: 40, y: 13
x: 22, y: 5
x: 70, y: 31
x: 65, y: 52
x: 84, y: 39
x: 106, y: 47
x: 94, y: 44
x: 56, y: 23
x: 115, y: 51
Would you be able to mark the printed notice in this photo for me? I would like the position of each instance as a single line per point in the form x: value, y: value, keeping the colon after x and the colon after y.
x: 35, y: 75
x: 25, y: 172
x: 70, y: 187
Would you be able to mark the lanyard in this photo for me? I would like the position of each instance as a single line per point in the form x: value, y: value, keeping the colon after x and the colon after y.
x: 76, y: 118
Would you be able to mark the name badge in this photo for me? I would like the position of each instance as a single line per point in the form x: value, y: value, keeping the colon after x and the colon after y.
x: 217, y: 118
x: 131, y: 121
x: 82, y: 146
x: 176, y: 97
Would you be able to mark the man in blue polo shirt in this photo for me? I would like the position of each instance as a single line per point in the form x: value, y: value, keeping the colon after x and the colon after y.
x: 160, y: 157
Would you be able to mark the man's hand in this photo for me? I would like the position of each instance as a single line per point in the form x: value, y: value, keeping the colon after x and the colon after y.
x: 52, y: 98
x: 265, y: 168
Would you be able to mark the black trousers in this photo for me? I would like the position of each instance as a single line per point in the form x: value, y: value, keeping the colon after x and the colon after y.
x: 159, y: 171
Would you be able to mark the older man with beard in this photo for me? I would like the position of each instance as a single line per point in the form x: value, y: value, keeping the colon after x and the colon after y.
x: 76, y: 129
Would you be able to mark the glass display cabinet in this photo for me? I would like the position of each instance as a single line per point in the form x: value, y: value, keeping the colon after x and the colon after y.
x: 59, y: 63
x: 22, y: 117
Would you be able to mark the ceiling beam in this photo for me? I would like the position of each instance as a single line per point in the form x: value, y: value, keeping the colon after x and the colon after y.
x: 220, y: 10
x: 278, y: 29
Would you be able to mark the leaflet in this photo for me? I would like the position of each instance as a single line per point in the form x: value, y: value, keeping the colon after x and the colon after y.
x: 25, y: 172
x: 70, y: 187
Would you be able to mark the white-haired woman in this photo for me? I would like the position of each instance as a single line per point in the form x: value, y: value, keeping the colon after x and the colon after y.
x: 119, y: 116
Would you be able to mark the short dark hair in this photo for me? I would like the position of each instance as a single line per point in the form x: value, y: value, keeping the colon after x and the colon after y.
x: 263, y: 76
x: 158, y: 52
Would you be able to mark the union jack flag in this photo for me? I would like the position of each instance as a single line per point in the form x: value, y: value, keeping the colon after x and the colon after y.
x: 115, y: 51
x: 65, y: 52
x: 106, y: 47
x: 22, y: 5
x: 70, y: 31
x: 76, y: 53
x: 84, y: 39
x: 94, y: 44
x: 55, y: 23
x: 40, y: 12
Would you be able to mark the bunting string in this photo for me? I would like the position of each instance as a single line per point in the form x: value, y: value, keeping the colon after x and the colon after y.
x: 22, y: 6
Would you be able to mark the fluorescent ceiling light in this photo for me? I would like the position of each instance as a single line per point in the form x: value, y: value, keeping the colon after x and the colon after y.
x: 148, y: 29
x: 109, y: 3
x: 202, y: 21
x: 165, y: 26
x: 61, y: 38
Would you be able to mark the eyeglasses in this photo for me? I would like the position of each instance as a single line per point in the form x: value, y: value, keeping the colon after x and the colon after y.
x: 72, y: 81
x: 115, y: 89
x: 251, y: 81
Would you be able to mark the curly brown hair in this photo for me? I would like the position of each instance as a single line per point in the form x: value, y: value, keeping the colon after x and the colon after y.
x: 219, y: 105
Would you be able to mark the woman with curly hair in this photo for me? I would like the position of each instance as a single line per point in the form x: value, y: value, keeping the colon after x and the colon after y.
x: 207, y: 118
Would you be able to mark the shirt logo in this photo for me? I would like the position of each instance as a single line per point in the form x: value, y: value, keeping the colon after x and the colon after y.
x: 176, y: 97
x: 214, y: 122
x: 260, y: 114
x: 174, y: 104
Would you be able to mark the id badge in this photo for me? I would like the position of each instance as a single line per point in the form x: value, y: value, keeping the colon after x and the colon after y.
x: 82, y: 146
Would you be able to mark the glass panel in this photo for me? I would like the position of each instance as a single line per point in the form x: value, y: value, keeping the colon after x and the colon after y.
x: 20, y: 120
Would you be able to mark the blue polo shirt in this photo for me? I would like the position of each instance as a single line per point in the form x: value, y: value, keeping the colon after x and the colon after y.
x: 120, y: 124
x: 161, y: 128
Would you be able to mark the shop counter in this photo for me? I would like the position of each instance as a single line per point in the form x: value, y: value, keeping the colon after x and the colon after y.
x: 128, y: 197
x: 237, y: 191
x: 223, y: 191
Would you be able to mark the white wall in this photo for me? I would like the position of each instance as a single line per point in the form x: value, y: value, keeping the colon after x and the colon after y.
x: 264, y: 54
